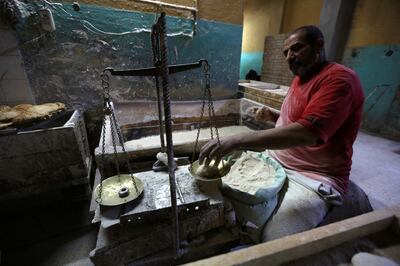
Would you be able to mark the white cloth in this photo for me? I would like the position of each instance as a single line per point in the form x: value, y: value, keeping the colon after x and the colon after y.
x: 301, y: 208
x: 306, y: 203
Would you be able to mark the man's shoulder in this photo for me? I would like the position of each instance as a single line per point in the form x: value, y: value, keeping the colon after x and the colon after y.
x: 339, y: 74
x: 335, y: 73
x: 339, y: 70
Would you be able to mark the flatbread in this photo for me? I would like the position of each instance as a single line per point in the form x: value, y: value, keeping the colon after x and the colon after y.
x: 5, y: 125
x: 8, y: 116
x: 22, y: 107
x: 5, y: 108
x: 27, y: 113
x: 37, y: 112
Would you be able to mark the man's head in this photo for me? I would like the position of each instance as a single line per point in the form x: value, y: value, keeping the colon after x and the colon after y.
x: 304, y: 51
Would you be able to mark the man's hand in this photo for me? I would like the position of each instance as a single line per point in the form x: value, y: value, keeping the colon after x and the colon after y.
x: 263, y: 114
x: 211, y: 150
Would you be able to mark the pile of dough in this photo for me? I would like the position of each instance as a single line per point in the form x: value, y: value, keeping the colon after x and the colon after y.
x: 27, y: 113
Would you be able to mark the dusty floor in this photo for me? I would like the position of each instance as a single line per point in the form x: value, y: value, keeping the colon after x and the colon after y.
x: 376, y: 169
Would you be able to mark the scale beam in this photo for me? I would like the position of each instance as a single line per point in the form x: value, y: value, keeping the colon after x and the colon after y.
x: 156, y: 71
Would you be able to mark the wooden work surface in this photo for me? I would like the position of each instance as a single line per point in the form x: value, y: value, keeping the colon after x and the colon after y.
x: 305, y: 247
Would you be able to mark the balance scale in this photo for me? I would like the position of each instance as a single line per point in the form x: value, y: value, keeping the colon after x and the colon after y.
x: 146, y: 213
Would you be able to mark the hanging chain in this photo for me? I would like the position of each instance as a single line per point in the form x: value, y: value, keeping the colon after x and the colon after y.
x: 200, y: 122
x: 207, y: 97
x: 115, y: 154
x: 211, y: 106
x: 108, y: 111
x: 121, y: 142
x: 105, y: 83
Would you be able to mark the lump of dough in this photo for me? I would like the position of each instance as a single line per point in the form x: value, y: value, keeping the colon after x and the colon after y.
x: 210, y: 171
x: 207, y: 171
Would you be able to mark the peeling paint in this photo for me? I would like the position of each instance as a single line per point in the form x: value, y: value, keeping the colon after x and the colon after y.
x: 66, y: 65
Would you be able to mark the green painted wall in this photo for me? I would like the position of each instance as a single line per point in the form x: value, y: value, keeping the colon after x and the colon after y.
x: 66, y: 65
x: 378, y: 67
x: 250, y: 60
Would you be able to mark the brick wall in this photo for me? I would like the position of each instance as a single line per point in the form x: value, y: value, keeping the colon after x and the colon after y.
x: 275, y: 69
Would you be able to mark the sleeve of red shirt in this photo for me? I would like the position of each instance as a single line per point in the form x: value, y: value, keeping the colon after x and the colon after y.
x: 328, y: 108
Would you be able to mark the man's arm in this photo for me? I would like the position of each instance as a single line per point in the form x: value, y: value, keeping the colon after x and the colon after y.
x: 283, y: 137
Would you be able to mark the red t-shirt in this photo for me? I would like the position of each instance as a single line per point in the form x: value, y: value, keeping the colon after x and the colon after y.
x: 330, y: 106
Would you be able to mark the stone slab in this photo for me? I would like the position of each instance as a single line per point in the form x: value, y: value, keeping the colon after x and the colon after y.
x: 35, y: 160
x: 121, y: 244
x: 154, y: 204
x: 208, y: 244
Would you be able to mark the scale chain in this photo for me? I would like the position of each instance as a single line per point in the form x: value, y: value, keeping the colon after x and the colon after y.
x: 200, y: 122
x: 121, y: 142
x: 102, y: 174
x: 108, y: 111
x: 207, y: 97
x: 106, y: 95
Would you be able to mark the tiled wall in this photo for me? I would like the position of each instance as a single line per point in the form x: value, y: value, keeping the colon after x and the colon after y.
x: 14, y: 85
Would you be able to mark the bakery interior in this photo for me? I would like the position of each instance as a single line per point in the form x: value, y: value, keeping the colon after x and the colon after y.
x: 89, y: 89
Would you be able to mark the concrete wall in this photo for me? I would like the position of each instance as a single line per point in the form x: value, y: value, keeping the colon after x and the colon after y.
x: 299, y: 13
x: 14, y: 85
x: 263, y: 18
x: 373, y: 51
x: 375, y: 22
x: 66, y: 65
x: 228, y: 11
x: 260, y: 19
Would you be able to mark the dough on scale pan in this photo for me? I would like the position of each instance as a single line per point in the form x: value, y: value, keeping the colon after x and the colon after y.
x: 210, y: 171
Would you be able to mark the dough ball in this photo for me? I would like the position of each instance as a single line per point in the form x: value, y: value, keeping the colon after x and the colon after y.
x: 207, y: 171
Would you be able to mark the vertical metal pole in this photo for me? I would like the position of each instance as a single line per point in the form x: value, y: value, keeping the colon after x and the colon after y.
x: 155, y: 42
x: 168, y: 129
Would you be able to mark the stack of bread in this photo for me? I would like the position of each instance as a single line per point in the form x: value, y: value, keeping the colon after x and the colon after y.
x: 25, y: 114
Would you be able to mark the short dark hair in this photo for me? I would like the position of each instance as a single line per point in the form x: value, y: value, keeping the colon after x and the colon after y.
x: 312, y: 34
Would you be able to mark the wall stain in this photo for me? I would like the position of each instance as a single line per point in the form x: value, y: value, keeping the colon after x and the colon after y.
x: 354, y: 53
x: 389, y: 53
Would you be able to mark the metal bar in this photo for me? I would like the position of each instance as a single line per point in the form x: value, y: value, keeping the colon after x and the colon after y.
x: 168, y: 130
x: 156, y: 71
x: 159, y: 3
x: 183, y: 67
x: 149, y: 71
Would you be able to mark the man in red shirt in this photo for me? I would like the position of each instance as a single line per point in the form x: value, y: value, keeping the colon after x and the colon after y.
x: 313, y: 137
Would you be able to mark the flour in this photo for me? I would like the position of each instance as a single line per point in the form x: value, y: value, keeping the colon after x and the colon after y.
x: 249, y: 174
